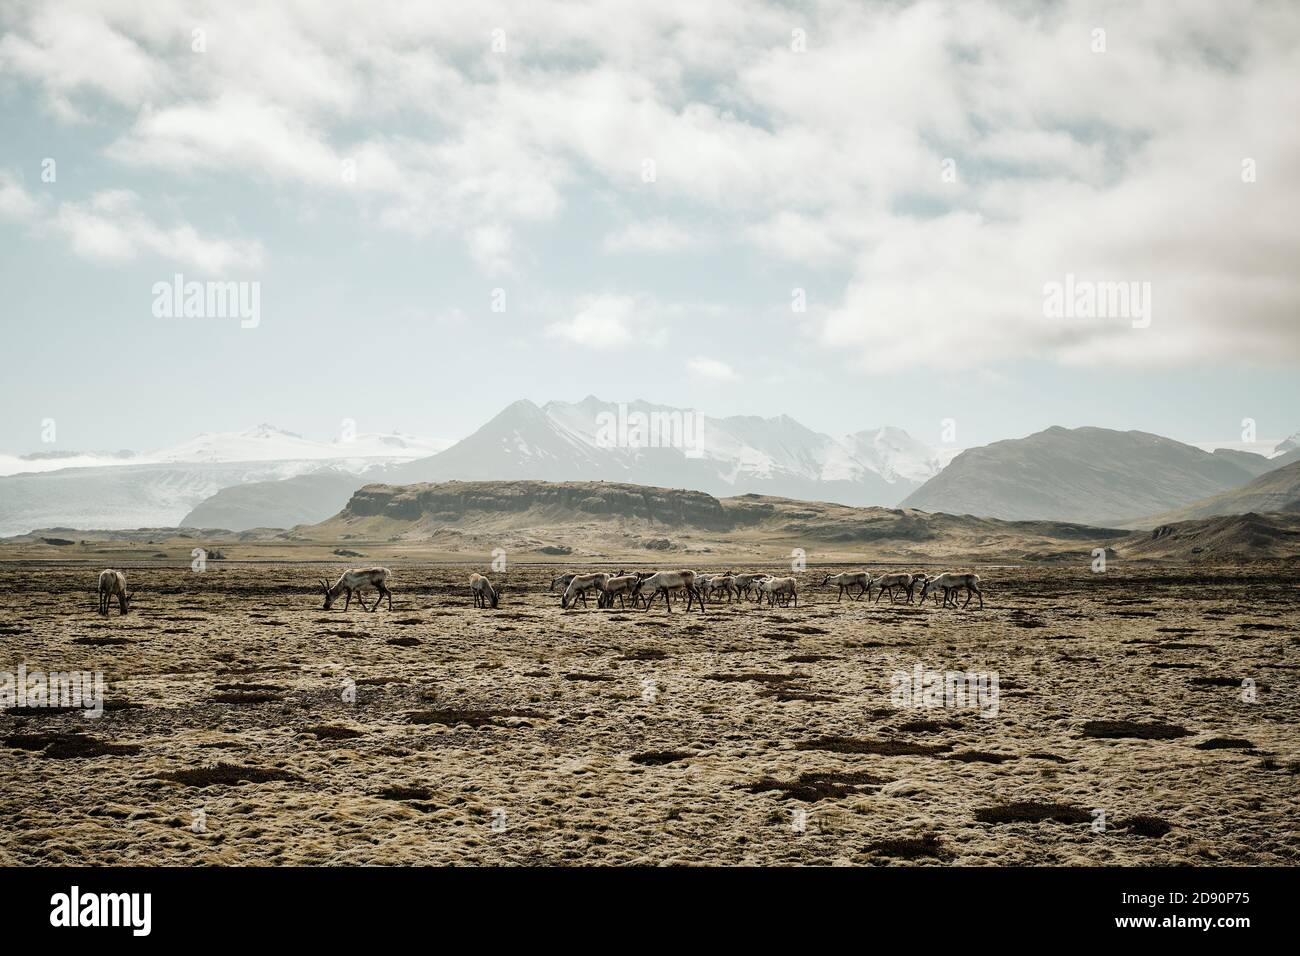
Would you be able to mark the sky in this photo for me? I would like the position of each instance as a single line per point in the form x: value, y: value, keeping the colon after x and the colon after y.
x: 852, y: 213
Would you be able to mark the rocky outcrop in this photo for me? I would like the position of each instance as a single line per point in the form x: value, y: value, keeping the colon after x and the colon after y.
x: 451, y: 500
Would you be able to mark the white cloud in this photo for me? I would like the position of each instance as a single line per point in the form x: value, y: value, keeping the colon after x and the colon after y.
x: 1123, y: 165
x: 491, y: 246
x: 653, y: 235
x: 15, y: 203
x: 111, y: 228
x: 712, y: 369
x: 69, y: 49
x: 606, y: 323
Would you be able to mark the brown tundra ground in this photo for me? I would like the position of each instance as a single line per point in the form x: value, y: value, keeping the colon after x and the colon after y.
x: 745, y: 735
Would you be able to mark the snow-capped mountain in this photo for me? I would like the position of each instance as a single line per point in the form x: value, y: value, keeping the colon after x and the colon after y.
x: 268, y: 443
x: 161, y: 488
x: 894, y: 454
x: 644, y: 443
x: 1286, y: 445
x: 228, y: 479
x: 54, y: 460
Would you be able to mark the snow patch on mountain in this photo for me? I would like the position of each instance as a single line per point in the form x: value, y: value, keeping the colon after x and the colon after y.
x: 1268, y: 447
x: 644, y: 442
x: 269, y: 443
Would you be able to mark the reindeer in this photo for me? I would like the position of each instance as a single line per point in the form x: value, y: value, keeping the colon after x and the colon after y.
x: 484, y: 594
x: 746, y: 584
x: 665, y: 582
x: 563, y: 581
x: 887, y: 582
x: 779, y: 589
x: 619, y: 586
x: 918, y: 581
x: 847, y: 580
x: 354, y: 579
x: 721, y: 582
x: 579, y: 585
x: 112, y: 584
x: 950, y: 582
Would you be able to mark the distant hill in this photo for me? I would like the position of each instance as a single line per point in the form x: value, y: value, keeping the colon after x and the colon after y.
x: 1274, y: 491
x: 1088, y: 475
x: 635, y: 524
x: 1248, y: 461
x: 588, y: 518
x: 1245, y: 537
x: 303, y: 499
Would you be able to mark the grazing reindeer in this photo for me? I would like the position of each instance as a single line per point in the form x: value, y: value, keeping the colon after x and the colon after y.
x: 721, y: 582
x: 918, y: 581
x: 354, y: 579
x: 951, y: 582
x: 580, y: 585
x: 847, y: 580
x: 746, y: 584
x: 619, y: 586
x: 637, y: 597
x: 783, y: 589
x: 887, y: 582
x: 666, y: 582
x: 112, y: 584
x: 563, y: 581
x: 485, y: 595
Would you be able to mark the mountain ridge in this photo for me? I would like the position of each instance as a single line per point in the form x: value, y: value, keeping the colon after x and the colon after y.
x: 1090, y: 475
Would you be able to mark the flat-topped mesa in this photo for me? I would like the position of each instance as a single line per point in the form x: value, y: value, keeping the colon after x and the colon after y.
x: 455, y: 498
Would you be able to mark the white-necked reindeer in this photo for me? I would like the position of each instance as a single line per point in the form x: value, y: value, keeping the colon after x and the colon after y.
x: 579, y: 585
x: 621, y: 586
x: 859, y: 579
x: 485, y: 595
x: 112, y: 584
x: 780, y: 589
x: 665, y: 583
x: 951, y: 582
x: 887, y: 582
x: 355, y: 579
x: 563, y: 581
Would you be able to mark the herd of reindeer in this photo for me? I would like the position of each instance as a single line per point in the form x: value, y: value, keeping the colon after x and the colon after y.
x: 642, y: 588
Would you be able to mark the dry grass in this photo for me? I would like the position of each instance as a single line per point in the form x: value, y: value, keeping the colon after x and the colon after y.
x: 526, y: 735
